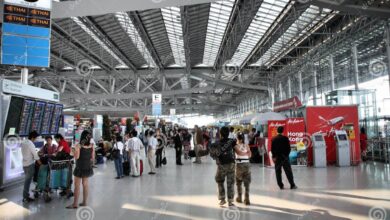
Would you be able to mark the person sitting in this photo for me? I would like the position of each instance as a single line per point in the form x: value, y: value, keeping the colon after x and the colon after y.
x: 48, y: 150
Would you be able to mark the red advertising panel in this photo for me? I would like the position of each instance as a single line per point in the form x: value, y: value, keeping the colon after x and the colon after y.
x: 272, y: 132
x: 291, y: 103
x: 295, y: 130
x: 327, y: 119
x: 298, y: 140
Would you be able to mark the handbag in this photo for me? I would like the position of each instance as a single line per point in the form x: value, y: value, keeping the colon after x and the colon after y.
x: 115, y: 152
x: 164, y: 160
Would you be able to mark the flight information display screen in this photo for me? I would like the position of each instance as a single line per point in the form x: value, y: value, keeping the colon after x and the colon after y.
x: 39, y: 111
x: 47, y: 117
x: 55, y: 122
x: 13, y: 116
x: 26, y: 117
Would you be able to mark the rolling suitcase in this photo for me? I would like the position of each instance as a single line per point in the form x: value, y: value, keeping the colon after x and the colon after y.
x: 126, y: 168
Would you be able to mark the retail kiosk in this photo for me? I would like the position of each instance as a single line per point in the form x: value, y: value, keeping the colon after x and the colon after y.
x: 23, y: 109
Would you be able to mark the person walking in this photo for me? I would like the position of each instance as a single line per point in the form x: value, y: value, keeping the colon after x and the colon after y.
x: 29, y: 155
x: 198, y: 143
x: 152, y: 146
x: 118, y: 156
x: 135, y: 147
x: 363, y: 143
x: 178, y: 146
x: 280, y: 149
x: 223, y: 153
x: 243, y: 173
x: 84, y: 156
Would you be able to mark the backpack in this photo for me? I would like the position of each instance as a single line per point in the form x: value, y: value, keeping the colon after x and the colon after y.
x: 224, y: 153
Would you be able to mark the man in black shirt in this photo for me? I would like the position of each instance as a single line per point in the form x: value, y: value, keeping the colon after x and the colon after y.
x: 178, y: 146
x: 280, y: 155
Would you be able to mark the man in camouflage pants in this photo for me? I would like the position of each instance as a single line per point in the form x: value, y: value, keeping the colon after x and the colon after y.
x: 223, y: 153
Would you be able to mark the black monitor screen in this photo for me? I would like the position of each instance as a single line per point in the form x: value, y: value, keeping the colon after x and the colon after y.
x: 26, y: 117
x: 318, y: 138
x: 342, y: 137
x: 39, y: 110
x: 13, y: 116
x: 47, y: 117
x: 55, y: 122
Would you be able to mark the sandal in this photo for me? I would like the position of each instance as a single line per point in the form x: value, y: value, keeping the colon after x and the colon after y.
x: 71, y: 207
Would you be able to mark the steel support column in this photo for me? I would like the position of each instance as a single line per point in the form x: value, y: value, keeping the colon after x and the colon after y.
x: 289, y: 87
x: 387, y: 27
x: 300, y: 86
x: 280, y: 91
x: 331, y: 66
x: 24, y: 76
x: 315, y: 90
x: 355, y: 66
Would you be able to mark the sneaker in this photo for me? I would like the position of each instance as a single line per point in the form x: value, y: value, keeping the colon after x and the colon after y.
x: 117, y: 177
x: 294, y: 187
x: 198, y: 162
x: 231, y: 204
x: 28, y: 199
x: 239, y: 200
x: 222, y: 202
x: 281, y: 187
x: 247, y: 202
x: 152, y: 173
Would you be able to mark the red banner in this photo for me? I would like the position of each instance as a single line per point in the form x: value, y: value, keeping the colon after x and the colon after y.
x: 287, y: 104
x: 295, y: 130
x: 272, y: 132
x: 327, y: 119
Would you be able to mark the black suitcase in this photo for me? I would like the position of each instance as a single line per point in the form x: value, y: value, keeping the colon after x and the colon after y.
x: 126, y: 168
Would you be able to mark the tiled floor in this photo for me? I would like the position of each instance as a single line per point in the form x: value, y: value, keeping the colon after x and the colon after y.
x: 189, y: 192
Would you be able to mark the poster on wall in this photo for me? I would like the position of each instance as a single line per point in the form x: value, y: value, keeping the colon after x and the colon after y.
x: 272, y: 132
x: 328, y: 119
x: 295, y: 128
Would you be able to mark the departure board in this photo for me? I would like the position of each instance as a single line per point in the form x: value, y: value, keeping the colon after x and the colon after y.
x: 47, y: 117
x: 39, y: 111
x: 13, y: 116
x: 55, y: 122
x: 26, y: 117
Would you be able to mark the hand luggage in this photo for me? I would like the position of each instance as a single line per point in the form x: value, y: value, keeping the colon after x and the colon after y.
x: 126, y: 168
x: 42, y: 177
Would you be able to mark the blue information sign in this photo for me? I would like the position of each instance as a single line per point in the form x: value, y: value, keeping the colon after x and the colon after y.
x: 25, y: 35
x: 156, y: 109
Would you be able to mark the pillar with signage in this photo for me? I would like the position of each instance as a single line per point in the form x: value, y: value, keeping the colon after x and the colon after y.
x: 26, y: 33
x: 156, y: 106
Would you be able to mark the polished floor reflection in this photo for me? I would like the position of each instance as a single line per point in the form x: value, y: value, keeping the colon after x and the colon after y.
x: 189, y: 192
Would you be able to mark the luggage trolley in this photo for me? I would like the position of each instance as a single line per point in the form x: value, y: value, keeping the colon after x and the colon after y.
x: 56, y: 175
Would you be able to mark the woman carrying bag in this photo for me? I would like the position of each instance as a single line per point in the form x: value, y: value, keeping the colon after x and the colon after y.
x: 117, y: 154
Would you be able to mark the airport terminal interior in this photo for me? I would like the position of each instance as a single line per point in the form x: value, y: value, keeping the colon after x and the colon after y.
x: 195, y: 109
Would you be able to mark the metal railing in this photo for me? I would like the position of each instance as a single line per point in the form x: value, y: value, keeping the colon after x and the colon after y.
x: 378, y: 149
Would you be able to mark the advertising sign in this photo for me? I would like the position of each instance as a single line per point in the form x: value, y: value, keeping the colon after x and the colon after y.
x: 298, y: 140
x: 26, y: 33
x: 156, y: 104
x: 68, y: 126
x: 291, y: 103
x: 272, y: 132
x: 328, y: 119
